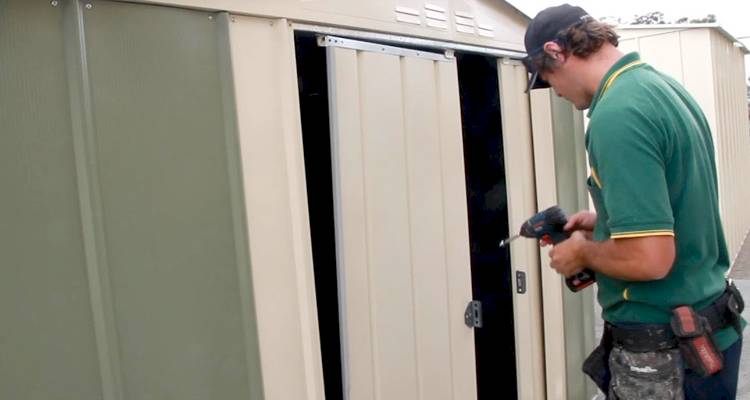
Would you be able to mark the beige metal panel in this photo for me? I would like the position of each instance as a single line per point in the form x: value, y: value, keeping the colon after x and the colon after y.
x: 517, y: 140
x: 572, y: 195
x: 663, y: 50
x: 664, y: 54
x: 733, y: 144
x: 717, y: 84
x: 575, y: 196
x: 628, y: 34
x: 546, y: 193
x: 560, y: 165
x: 699, y: 81
x: 423, y: 155
x: 507, y: 24
x: 275, y: 204
x: 403, y: 255
x: 720, y: 140
x: 628, y: 45
x: 697, y: 68
x: 349, y: 194
x: 455, y: 213
x: 387, y: 227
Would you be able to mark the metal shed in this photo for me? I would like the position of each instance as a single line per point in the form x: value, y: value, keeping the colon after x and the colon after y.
x: 280, y: 199
x: 709, y: 62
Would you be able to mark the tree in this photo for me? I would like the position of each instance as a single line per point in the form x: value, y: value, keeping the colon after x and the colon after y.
x: 651, y: 18
x: 657, y: 18
x: 710, y: 18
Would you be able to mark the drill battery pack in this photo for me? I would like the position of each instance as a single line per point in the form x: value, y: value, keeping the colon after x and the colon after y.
x: 693, y: 332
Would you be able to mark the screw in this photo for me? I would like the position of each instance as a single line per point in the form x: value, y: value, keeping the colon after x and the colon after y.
x: 210, y: 17
x: 89, y: 6
x: 233, y: 20
x: 54, y: 3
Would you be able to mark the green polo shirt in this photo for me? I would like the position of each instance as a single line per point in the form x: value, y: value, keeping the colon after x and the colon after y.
x: 653, y: 173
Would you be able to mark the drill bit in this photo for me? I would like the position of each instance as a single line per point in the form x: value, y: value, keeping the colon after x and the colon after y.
x: 505, y: 242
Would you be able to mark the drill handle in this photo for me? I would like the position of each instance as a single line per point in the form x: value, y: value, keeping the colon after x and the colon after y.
x: 548, y: 226
x: 556, y: 237
x: 580, y: 280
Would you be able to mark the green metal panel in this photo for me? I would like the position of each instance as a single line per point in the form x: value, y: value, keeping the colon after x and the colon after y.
x: 160, y: 161
x: 123, y: 250
x: 47, y: 339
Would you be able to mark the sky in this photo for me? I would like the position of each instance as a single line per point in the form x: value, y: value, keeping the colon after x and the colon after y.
x: 732, y: 15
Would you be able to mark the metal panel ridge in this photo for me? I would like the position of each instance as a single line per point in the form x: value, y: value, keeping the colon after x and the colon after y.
x: 334, y: 41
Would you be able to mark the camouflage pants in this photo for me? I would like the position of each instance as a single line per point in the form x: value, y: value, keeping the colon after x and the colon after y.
x: 657, y: 375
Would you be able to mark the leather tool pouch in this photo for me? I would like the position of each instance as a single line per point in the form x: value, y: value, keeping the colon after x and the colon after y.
x: 696, y: 344
x: 596, y: 365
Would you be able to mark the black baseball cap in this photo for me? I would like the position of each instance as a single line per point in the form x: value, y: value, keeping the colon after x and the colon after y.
x: 546, y: 27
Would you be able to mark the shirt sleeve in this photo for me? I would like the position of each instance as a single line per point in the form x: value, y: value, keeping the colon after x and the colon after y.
x: 630, y: 171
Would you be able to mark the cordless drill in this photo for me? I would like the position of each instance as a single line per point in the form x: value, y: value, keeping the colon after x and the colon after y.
x: 547, y: 226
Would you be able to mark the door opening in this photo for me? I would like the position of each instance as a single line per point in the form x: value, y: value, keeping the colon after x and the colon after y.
x: 486, y: 195
x: 316, y: 140
x: 487, y: 212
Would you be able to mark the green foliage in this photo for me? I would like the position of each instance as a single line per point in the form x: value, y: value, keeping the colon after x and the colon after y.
x: 650, y: 18
x: 710, y: 18
x: 657, y: 18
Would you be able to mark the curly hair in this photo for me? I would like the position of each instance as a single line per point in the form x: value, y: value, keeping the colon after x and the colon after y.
x: 581, y: 40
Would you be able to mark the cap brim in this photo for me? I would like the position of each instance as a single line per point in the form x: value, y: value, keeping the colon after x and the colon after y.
x: 535, y: 82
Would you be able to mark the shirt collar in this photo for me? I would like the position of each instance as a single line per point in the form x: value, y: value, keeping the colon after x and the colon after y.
x: 625, y: 60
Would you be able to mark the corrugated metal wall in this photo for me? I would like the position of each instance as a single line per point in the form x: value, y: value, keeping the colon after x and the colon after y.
x: 733, y: 138
x: 518, y: 150
x: 154, y: 237
x: 126, y: 272
x: 495, y: 24
x: 402, y: 227
x: 717, y: 82
x: 568, y: 323
x: 48, y: 335
x: 271, y: 201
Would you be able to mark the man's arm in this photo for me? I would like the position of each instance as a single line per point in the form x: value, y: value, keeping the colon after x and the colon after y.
x: 635, y: 259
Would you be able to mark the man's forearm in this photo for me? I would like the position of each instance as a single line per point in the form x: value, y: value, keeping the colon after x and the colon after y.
x: 641, y: 259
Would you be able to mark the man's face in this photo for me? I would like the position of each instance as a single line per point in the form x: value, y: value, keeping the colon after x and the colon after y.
x: 565, y: 83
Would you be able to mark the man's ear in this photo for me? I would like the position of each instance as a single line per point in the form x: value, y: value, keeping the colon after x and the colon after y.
x: 554, y: 50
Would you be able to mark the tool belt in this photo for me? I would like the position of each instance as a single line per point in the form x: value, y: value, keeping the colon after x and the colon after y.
x: 723, y: 312
x: 689, y: 330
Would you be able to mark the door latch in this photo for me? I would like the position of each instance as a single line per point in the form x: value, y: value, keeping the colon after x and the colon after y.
x: 520, y: 282
x: 473, y: 314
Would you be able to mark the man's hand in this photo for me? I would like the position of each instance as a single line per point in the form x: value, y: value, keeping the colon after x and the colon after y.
x: 635, y: 259
x: 582, y: 220
x: 567, y: 257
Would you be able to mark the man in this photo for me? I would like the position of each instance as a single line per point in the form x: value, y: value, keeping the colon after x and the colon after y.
x: 656, y: 241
